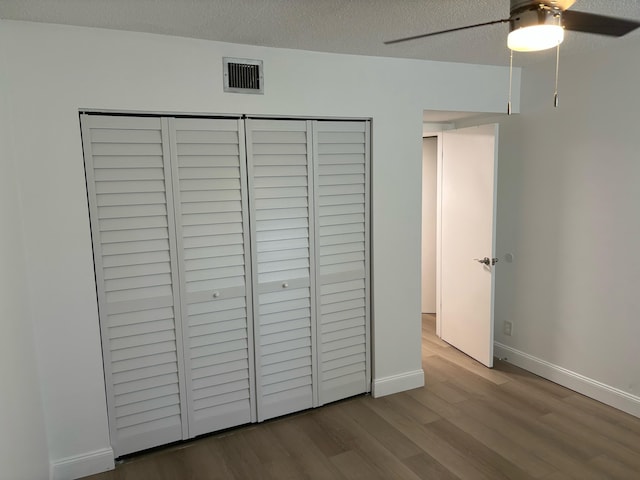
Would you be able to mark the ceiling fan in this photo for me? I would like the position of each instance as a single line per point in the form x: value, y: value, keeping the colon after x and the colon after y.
x: 540, y: 24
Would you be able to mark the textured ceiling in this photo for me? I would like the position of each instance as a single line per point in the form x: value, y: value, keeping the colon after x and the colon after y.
x: 341, y: 26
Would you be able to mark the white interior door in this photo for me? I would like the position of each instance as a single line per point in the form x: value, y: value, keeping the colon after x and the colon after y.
x: 232, y: 268
x: 341, y: 185
x: 469, y: 166
x: 129, y: 186
x: 212, y: 225
x: 280, y: 192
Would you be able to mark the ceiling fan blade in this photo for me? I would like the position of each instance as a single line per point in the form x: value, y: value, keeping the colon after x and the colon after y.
x: 599, y: 24
x: 415, y: 37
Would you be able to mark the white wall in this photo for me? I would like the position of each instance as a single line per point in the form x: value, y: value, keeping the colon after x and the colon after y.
x: 57, y: 70
x: 429, y: 198
x: 23, y: 446
x: 568, y: 210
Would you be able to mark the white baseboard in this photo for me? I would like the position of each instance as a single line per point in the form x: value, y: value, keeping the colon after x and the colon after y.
x: 606, y: 394
x: 398, y: 383
x: 88, y: 463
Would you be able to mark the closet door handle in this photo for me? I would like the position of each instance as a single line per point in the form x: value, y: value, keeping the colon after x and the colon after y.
x: 285, y: 285
x: 216, y: 294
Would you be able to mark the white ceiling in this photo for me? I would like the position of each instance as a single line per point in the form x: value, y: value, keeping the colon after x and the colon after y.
x: 341, y: 26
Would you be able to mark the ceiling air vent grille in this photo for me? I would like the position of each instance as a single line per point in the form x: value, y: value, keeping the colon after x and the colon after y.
x: 242, y: 75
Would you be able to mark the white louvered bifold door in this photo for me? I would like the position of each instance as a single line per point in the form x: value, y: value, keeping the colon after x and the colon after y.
x: 342, y: 256
x: 129, y: 186
x: 209, y: 172
x: 232, y: 269
x: 280, y: 180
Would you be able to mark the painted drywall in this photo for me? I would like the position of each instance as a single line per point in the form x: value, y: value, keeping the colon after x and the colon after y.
x: 57, y: 70
x: 23, y: 445
x: 568, y: 198
x: 429, y: 198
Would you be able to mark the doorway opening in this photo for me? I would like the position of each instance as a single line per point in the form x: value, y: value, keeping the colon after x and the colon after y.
x: 459, y: 167
x: 429, y: 223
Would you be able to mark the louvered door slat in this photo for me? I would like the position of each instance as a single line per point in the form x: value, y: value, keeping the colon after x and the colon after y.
x: 128, y: 179
x: 342, y: 256
x: 280, y: 178
x: 211, y: 215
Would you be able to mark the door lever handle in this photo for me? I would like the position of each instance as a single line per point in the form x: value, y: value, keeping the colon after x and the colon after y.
x: 487, y: 261
x: 484, y: 261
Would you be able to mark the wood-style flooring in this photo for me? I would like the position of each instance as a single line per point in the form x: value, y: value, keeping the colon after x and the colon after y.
x: 468, y: 422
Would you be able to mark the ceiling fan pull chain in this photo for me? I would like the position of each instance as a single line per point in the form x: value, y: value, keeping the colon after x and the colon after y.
x: 510, y: 82
x: 555, y: 95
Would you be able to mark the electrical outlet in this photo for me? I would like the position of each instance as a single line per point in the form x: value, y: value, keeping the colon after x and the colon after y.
x: 506, y: 329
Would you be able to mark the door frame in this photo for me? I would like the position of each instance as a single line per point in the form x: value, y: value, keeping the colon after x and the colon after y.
x: 163, y: 116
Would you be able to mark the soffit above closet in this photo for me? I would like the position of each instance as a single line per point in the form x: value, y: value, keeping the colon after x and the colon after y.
x: 337, y: 26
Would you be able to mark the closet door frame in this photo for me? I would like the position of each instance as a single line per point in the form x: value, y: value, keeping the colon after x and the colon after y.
x: 249, y: 233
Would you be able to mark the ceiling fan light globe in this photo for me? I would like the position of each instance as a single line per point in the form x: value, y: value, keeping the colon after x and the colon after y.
x: 535, y: 38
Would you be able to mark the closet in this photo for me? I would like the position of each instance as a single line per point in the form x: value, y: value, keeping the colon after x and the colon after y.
x: 232, y: 269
